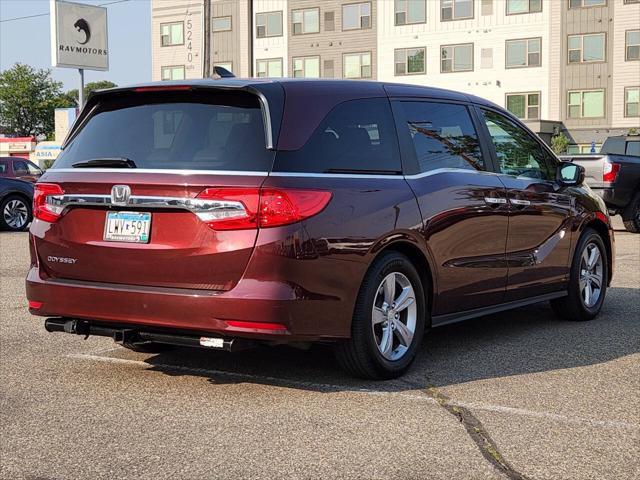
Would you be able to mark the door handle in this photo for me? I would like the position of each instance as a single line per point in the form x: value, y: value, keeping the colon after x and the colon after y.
x: 519, y: 202
x: 495, y: 201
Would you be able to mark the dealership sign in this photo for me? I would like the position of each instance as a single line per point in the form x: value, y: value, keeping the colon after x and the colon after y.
x: 79, y: 36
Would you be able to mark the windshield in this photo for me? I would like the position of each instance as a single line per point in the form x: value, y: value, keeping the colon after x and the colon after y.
x: 174, y: 131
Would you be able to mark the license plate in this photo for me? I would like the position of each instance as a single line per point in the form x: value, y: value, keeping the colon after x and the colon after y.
x: 133, y: 227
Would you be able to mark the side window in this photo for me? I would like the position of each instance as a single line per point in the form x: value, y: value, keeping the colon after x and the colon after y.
x: 20, y: 168
x: 4, y: 168
x: 33, y: 169
x: 517, y: 151
x: 443, y: 136
x: 357, y: 136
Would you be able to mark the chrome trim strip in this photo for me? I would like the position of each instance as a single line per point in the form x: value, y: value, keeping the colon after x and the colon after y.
x: 495, y: 201
x: 167, y: 171
x: 516, y: 201
x: 438, y: 171
x: 334, y: 175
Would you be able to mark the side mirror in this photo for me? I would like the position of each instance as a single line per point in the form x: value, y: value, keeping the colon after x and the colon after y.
x: 569, y: 174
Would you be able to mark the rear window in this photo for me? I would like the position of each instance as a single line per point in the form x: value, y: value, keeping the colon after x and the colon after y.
x: 357, y: 136
x: 633, y: 148
x: 175, y: 130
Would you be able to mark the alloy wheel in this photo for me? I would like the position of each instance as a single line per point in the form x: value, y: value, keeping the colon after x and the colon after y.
x: 591, y: 274
x: 394, y: 316
x: 16, y: 214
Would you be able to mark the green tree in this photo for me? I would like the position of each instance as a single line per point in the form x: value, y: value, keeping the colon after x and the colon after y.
x: 28, y: 98
x: 72, y: 95
x: 559, y: 143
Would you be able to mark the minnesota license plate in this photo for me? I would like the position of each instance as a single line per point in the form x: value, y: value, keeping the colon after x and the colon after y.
x: 133, y: 227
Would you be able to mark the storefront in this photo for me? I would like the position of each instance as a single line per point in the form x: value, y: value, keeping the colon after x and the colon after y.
x: 17, y: 147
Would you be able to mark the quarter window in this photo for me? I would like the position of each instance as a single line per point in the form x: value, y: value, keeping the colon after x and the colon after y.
x: 357, y: 136
x: 524, y: 105
x: 586, y: 48
x: 443, y: 136
x: 518, y: 153
x: 456, y: 9
x: 586, y: 3
x: 271, y: 67
x: 356, y: 16
x: 410, y: 61
x: 268, y: 24
x: 410, y: 11
x: 357, y: 65
x: 632, y: 43
x: 523, y: 53
x: 632, y: 102
x: 515, y: 7
x: 307, y: 67
x: 171, y: 34
x: 175, y: 72
x: 586, y: 104
x: 456, y: 58
x: 221, y: 24
x: 305, y: 21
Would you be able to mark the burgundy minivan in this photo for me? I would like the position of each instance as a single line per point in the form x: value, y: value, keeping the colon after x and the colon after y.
x: 226, y: 213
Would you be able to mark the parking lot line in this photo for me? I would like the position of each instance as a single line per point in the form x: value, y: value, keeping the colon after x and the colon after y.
x: 607, y: 424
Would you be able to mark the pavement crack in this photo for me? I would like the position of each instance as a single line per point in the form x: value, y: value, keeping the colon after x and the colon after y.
x: 476, y: 432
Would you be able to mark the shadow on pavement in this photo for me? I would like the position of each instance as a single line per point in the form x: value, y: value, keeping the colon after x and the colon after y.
x: 526, y: 340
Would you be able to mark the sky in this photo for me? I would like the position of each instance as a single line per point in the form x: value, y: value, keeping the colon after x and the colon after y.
x: 28, y: 40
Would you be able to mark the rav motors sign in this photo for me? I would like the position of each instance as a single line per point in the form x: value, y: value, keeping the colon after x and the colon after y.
x: 79, y: 36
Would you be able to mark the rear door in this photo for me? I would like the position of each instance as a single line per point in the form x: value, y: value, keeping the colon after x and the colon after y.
x: 463, y: 203
x: 540, y: 211
x: 200, y: 157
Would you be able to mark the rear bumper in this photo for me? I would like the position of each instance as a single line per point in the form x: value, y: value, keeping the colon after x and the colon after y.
x: 230, y: 314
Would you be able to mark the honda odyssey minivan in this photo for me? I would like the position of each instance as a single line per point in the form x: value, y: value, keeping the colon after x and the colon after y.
x: 228, y: 213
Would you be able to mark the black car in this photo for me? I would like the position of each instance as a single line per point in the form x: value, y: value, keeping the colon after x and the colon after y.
x: 16, y: 197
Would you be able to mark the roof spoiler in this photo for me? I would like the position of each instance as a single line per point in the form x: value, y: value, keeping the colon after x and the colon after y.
x: 220, y: 72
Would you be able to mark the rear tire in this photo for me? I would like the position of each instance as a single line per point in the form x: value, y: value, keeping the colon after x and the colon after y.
x: 15, y: 213
x: 588, y: 280
x: 631, y: 215
x: 147, y: 347
x: 388, y: 321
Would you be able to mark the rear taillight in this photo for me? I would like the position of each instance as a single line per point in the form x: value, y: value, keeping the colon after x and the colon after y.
x: 610, y: 172
x: 42, y: 208
x: 247, y: 208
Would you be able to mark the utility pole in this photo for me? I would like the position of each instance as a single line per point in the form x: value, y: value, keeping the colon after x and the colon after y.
x: 206, y: 66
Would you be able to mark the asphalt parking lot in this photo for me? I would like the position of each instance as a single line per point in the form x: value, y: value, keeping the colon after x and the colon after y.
x: 515, y: 395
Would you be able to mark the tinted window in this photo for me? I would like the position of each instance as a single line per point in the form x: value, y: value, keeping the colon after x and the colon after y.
x: 443, y: 136
x: 633, y: 148
x: 187, y: 131
x: 3, y: 167
x: 33, y: 169
x: 357, y: 136
x: 517, y: 151
x: 20, y: 168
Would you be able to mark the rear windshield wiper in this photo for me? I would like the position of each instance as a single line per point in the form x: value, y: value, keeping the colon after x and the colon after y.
x: 115, y: 162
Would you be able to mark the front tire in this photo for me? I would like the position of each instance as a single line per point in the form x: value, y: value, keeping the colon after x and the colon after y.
x: 588, y: 280
x: 15, y: 213
x: 631, y: 215
x: 388, y: 322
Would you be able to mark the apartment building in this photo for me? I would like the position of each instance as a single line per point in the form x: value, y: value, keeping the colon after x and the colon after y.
x: 560, y: 65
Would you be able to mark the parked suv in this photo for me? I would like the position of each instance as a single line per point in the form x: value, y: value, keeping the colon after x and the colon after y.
x: 221, y: 213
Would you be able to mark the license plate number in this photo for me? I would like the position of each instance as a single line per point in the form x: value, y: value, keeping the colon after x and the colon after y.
x: 132, y: 227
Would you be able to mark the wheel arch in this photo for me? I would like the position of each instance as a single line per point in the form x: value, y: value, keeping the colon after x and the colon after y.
x: 603, y: 230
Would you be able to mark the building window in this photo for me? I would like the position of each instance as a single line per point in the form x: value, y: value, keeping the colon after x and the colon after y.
x: 516, y: 7
x: 456, y: 9
x: 356, y: 65
x: 586, y: 3
x: 356, y: 16
x: 410, y: 11
x: 586, y: 48
x: 306, y: 21
x: 632, y: 42
x: 456, y: 58
x: 524, y: 105
x: 306, y: 67
x: 629, y: 2
x: 269, y: 67
x: 583, y: 148
x: 410, y: 61
x: 523, y: 53
x: 328, y: 71
x: 174, y: 72
x: 586, y: 104
x: 329, y: 21
x: 171, y: 34
x: 486, y: 58
x: 268, y: 24
x: 632, y: 102
x: 221, y: 24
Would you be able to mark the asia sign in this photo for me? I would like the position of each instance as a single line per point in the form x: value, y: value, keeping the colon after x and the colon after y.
x: 79, y: 36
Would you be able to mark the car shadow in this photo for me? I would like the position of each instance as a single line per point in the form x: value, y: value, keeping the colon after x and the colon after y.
x: 522, y: 341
